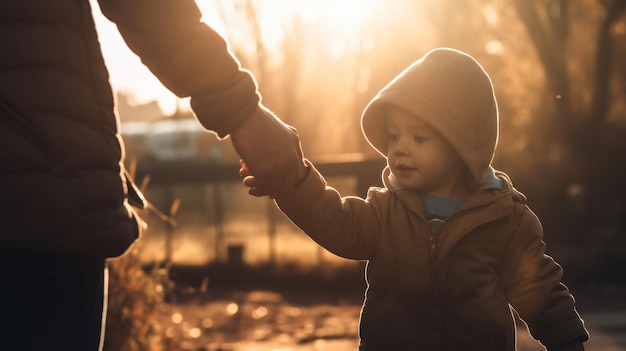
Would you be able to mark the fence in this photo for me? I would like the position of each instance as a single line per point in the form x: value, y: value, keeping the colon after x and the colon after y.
x: 219, y: 222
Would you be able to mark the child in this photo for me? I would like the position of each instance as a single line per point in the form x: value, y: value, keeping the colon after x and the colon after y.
x: 450, y: 244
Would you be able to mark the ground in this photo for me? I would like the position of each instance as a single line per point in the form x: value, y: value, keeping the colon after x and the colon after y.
x: 269, y: 321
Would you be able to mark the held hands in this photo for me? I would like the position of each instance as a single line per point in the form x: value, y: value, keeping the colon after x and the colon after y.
x: 271, y: 155
x: 249, y: 180
x: 257, y: 189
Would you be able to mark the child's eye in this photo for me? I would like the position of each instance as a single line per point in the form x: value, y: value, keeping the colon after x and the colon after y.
x: 419, y: 139
x: 392, y: 137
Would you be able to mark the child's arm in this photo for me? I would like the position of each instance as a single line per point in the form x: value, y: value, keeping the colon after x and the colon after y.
x: 532, y: 281
x: 345, y: 226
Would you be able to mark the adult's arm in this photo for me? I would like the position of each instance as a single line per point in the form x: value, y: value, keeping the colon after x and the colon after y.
x: 192, y: 60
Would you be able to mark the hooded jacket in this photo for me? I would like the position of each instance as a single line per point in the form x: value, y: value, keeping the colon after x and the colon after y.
x: 489, y: 256
x: 62, y: 185
x: 451, y: 91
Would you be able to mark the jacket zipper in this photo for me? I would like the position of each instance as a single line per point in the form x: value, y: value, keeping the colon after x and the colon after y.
x: 433, y: 242
x: 433, y: 235
x: 433, y: 245
x: 433, y: 238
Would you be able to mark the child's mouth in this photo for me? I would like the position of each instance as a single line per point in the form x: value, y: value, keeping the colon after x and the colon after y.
x: 402, y: 167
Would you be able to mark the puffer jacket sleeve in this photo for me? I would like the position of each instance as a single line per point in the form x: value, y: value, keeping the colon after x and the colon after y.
x: 532, y: 281
x: 188, y: 57
x: 346, y: 226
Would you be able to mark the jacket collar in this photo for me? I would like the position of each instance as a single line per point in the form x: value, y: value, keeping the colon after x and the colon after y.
x: 481, y: 207
x: 496, y: 186
x: 495, y: 200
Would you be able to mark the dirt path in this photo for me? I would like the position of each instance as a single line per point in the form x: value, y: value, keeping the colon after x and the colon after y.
x: 266, y: 321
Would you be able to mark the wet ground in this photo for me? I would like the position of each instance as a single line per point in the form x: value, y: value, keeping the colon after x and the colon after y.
x: 269, y: 321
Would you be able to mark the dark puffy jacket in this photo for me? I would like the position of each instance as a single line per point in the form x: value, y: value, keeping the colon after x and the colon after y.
x: 62, y: 183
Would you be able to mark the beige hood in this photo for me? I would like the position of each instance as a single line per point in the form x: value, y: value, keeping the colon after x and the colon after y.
x: 449, y: 90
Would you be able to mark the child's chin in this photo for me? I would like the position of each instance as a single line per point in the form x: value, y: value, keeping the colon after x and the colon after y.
x: 409, y: 185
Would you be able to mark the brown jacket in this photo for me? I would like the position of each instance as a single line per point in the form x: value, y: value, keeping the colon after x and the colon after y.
x: 489, y: 255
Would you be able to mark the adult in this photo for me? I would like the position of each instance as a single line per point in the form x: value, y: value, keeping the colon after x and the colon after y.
x: 65, y: 199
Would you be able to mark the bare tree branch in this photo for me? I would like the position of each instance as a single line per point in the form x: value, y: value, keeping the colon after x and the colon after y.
x: 549, y: 39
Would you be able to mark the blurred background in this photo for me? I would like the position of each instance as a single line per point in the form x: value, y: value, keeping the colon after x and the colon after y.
x: 559, y: 72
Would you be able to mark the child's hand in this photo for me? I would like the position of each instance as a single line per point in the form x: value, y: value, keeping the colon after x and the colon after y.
x: 271, y: 149
x: 258, y: 189
x: 249, y: 181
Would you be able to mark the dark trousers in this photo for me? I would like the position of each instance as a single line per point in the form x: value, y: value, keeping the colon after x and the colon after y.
x: 50, y: 302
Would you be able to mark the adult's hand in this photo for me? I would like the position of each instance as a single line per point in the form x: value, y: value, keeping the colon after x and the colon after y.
x: 271, y: 150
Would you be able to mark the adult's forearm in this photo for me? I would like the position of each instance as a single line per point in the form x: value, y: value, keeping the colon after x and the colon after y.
x: 188, y: 57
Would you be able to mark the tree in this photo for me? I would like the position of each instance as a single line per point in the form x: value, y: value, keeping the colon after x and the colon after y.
x: 580, y: 130
x: 583, y: 123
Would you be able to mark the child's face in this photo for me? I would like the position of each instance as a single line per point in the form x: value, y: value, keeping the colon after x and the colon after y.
x: 420, y: 158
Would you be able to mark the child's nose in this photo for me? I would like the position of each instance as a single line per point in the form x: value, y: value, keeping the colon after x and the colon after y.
x: 400, y: 148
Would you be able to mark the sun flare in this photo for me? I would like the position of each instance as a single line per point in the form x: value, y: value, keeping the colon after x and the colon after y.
x: 344, y: 18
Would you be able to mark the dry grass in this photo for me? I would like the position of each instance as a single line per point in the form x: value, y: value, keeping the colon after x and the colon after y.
x: 134, y: 299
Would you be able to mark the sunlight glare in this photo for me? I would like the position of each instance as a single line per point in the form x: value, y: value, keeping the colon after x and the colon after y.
x: 232, y: 308
x: 194, y: 333
x: 177, y: 318
x: 346, y: 17
x: 319, y: 344
x: 294, y: 312
x: 494, y: 47
x: 207, y: 323
x: 259, y: 312
x: 171, y: 332
x: 491, y: 15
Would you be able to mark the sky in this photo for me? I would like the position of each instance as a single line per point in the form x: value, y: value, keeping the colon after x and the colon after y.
x: 129, y: 75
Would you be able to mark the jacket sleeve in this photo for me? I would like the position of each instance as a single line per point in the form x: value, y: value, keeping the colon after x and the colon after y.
x: 345, y: 226
x: 532, y: 281
x: 188, y: 57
